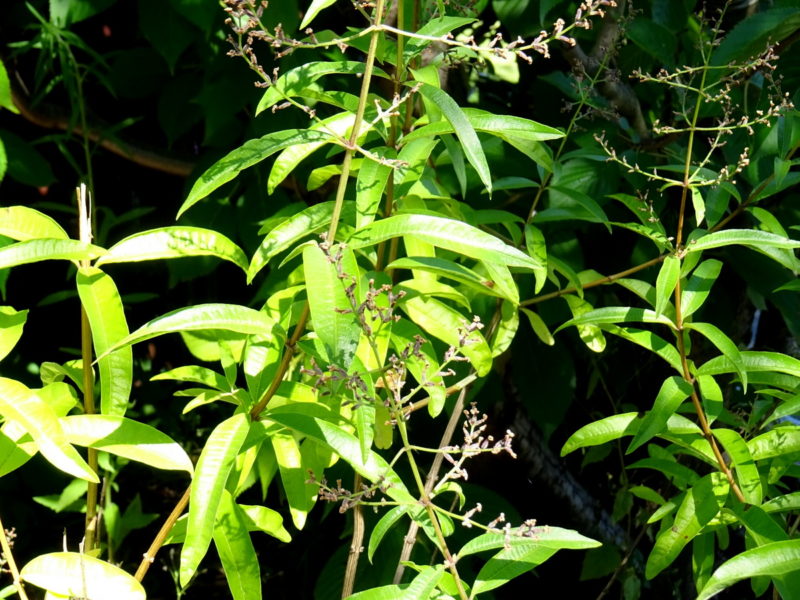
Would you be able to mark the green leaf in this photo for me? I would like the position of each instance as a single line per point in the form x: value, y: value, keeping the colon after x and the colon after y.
x: 5, y: 93
x: 106, y: 314
x: 781, y: 441
x: 314, y: 10
x: 463, y: 130
x: 651, y: 341
x: 174, y: 242
x: 331, y: 311
x: 667, y: 278
x: 779, y: 558
x: 383, y: 526
x: 70, y: 574
x: 127, y: 438
x: 590, y: 334
x: 510, y: 563
x: 227, y: 317
x: 617, y: 426
x: 236, y: 551
x: 298, y: 80
x: 746, y: 470
x: 537, y: 248
x: 539, y: 327
x: 618, y: 314
x: 24, y: 223
x: 753, y: 362
x: 745, y: 237
x: 194, y: 374
x: 546, y: 536
x: 11, y: 325
x: 37, y: 250
x: 39, y: 419
x: 424, y: 367
x: 699, y: 286
x: 449, y: 269
x: 446, y: 323
x: 699, y: 205
x: 299, y: 495
x: 449, y: 234
x: 247, y: 155
x: 701, y: 504
x: 673, y: 392
x: 725, y: 345
x: 213, y: 467
x: 261, y: 518
x: 370, y: 183
x: 346, y: 445
x: 296, y: 227
x: 437, y: 27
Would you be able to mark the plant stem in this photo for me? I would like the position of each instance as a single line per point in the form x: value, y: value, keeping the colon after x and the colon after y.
x: 362, y: 106
x: 150, y: 556
x: 356, y: 546
x: 85, y: 235
x: 12, y: 566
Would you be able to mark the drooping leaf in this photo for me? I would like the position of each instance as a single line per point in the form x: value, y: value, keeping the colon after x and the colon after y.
x: 23, y: 405
x: 725, y: 345
x: 444, y: 323
x: 779, y: 558
x: 299, y: 495
x: 236, y: 551
x: 316, y: 7
x: 11, y: 324
x: 106, y: 314
x: 753, y: 362
x: 447, y: 268
x: 618, y: 314
x: 247, y: 155
x: 556, y: 538
x: 590, y: 334
x: 701, y: 504
x: 539, y: 327
x: 699, y: 286
x: 449, y: 234
x: 331, y: 311
x: 37, y: 250
x: 746, y: 471
x: 383, y: 526
x: 127, y: 438
x: 508, y: 564
x: 673, y: 392
x: 665, y: 283
x: 70, y: 574
x: 174, y: 242
x: 215, y: 463
x: 463, y: 130
x: 370, y: 183
x: 24, y: 223
x: 745, y: 237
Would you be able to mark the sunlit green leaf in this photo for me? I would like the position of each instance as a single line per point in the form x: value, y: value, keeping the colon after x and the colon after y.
x: 673, y: 392
x: 236, y: 551
x: 127, y: 438
x: 70, y: 574
x: 37, y: 250
x: 24, y: 223
x: 174, y: 242
x: 11, y: 324
x: 745, y: 237
x: 665, y: 283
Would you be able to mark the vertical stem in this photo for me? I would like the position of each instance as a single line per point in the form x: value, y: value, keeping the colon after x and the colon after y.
x: 356, y: 546
x: 362, y: 106
x: 12, y: 566
x: 85, y: 235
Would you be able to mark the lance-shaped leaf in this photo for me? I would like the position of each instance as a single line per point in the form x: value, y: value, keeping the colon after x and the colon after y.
x: 127, y: 438
x: 665, y: 282
x: 11, y: 324
x: 106, y: 315
x: 753, y: 362
x: 617, y: 426
x: 701, y: 504
x: 537, y: 248
x: 449, y: 269
x: 449, y: 234
x: 247, y: 155
x: 539, y: 327
x: 331, y: 311
x: 618, y: 314
x: 236, y: 551
x: 296, y: 227
x: 648, y: 339
x: 463, y: 129
x: 302, y: 420
x: 194, y: 374
x: 297, y: 80
x: 549, y: 537
x: 23, y: 405
x: 772, y: 560
x: 383, y: 526
x: 744, y: 237
x: 673, y: 392
x: 782, y: 441
x: 211, y: 473
x: 74, y: 575
x: 446, y: 323
x: 227, y: 317
x: 423, y: 363
x: 590, y: 334
x: 316, y: 7
x: 724, y: 344
x: 37, y: 250
x: 24, y: 223
x: 174, y: 242
x: 743, y: 463
x: 299, y: 495
x: 699, y: 286
x: 371, y: 181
